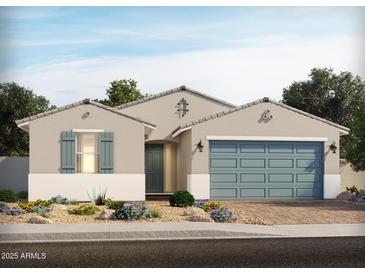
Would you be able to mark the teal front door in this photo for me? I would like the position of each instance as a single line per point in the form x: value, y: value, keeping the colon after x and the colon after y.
x: 154, y: 168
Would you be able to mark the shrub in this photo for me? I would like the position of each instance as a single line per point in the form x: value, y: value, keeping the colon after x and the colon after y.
x: 181, y: 199
x: 154, y: 213
x: 221, y: 215
x: 2, y: 205
x: 86, y: 209
x: 41, y: 210
x: 23, y: 195
x: 98, y: 198
x: 15, y: 211
x: 199, y: 203
x: 353, y: 190
x: 131, y: 211
x: 210, y: 205
x: 114, y: 204
x: 361, y: 192
x: 7, y: 195
x: 59, y: 200
x: 26, y: 206
x: 43, y: 203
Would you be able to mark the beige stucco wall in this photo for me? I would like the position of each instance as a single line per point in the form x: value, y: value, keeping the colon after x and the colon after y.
x: 246, y: 122
x: 184, y: 156
x: 170, y: 165
x: 45, y: 135
x: 349, y: 177
x: 162, y: 112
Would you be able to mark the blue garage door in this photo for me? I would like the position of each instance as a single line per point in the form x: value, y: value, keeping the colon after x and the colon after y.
x: 266, y: 170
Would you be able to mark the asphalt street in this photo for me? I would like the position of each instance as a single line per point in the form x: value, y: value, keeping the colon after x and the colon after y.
x: 276, y: 252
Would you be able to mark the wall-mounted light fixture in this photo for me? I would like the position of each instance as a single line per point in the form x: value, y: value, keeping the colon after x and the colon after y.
x: 200, y: 146
x: 333, y: 147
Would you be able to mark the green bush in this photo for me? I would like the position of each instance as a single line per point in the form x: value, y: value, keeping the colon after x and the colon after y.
x: 23, y: 195
x: 362, y: 192
x: 114, y: 204
x: 44, y: 203
x: 210, y: 205
x: 86, y: 209
x: 154, y: 213
x: 7, y: 195
x: 181, y: 199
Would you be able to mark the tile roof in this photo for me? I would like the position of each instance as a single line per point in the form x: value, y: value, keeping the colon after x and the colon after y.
x: 83, y: 102
x: 263, y: 100
x: 179, y: 89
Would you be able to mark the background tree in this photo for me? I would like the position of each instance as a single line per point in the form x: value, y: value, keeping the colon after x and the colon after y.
x: 17, y: 102
x: 121, y: 92
x: 336, y: 97
x: 355, y: 146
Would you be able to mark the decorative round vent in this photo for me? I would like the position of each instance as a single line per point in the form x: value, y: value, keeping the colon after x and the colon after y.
x: 266, y: 116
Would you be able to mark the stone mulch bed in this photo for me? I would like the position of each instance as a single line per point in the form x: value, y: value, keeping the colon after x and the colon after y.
x: 60, y: 215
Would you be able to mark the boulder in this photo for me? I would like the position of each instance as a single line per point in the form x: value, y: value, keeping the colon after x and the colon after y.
x: 199, y: 218
x: 193, y: 211
x: 39, y: 220
x: 105, y: 214
x: 58, y: 207
x: 344, y: 196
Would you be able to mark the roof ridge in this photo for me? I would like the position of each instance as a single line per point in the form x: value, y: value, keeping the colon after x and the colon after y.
x: 262, y: 100
x: 78, y: 103
x: 170, y: 91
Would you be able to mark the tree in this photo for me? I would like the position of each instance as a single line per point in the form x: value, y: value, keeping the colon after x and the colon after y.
x: 355, y: 147
x: 121, y: 92
x: 17, y: 102
x: 335, y: 97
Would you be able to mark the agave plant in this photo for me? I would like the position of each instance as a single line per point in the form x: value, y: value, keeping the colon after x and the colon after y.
x: 98, y: 198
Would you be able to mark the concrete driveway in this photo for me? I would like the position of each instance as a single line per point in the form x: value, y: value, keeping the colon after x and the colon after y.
x: 301, y: 212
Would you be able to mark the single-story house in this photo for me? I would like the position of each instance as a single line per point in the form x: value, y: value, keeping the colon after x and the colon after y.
x: 182, y: 139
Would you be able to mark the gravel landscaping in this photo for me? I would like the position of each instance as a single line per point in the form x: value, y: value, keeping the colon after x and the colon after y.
x: 244, y: 212
x: 60, y: 215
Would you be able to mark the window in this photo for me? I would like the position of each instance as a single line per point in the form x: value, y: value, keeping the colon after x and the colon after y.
x: 87, y: 153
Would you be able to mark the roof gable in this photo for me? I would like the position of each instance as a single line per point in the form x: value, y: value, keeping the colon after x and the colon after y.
x: 187, y: 126
x: 179, y: 89
x: 26, y: 120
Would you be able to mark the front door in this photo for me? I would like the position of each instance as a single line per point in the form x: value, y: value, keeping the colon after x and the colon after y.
x: 154, y: 168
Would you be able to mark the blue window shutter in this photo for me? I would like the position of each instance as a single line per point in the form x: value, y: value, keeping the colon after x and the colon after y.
x: 106, y: 152
x: 68, y: 152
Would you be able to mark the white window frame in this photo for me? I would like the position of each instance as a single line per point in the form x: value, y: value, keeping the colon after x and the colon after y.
x: 78, y: 133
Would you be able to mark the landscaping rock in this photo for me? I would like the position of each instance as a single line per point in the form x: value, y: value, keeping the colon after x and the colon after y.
x: 344, y: 196
x: 199, y: 218
x: 105, y: 214
x: 193, y: 211
x: 39, y: 220
x: 58, y: 207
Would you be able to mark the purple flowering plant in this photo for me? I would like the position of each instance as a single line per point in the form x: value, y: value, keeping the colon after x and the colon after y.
x: 221, y: 215
x: 132, y: 211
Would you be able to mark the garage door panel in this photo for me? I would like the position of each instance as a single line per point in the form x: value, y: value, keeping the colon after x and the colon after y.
x: 308, y: 163
x: 252, y: 177
x: 281, y: 148
x: 257, y: 193
x: 224, y: 193
x: 308, y: 149
x: 307, y: 192
x: 281, y: 177
x: 252, y: 163
x: 308, y: 178
x: 280, y: 193
x: 223, y: 148
x: 267, y: 170
x: 223, y: 163
x: 281, y: 163
x: 252, y: 148
x: 225, y: 178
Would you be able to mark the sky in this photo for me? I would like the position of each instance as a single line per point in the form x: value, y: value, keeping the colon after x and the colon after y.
x: 238, y: 54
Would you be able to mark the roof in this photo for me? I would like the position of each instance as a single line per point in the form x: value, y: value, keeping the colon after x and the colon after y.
x: 179, y: 89
x: 263, y: 100
x: 83, y: 102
